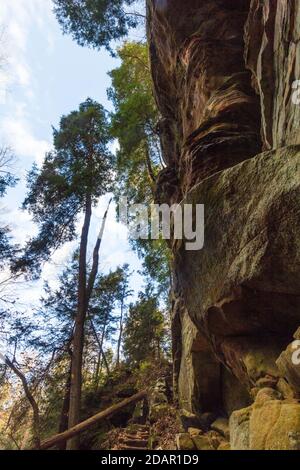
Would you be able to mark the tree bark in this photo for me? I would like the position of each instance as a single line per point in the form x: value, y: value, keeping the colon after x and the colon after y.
x: 120, y: 333
x: 74, y: 431
x: 85, y: 290
x: 64, y: 416
x: 101, y: 352
x: 94, y: 270
x: 151, y: 174
x: 78, y: 339
x: 63, y: 425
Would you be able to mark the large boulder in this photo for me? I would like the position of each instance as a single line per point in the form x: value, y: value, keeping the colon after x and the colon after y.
x: 269, y: 424
x: 239, y: 428
x: 288, y: 364
x: 246, y: 279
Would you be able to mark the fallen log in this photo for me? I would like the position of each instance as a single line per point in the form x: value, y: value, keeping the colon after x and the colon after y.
x: 66, y: 435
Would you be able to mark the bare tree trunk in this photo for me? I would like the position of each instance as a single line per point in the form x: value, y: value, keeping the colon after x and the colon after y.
x: 101, y: 352
x: 33, y: 403
x: 84, y: 295
x: 97, y: 371
x: 103, y: 333
x: 95, y: 265
x: 101, y: 348
x: 120, y: 334
x: 78, y: 339
x: 64, y: 416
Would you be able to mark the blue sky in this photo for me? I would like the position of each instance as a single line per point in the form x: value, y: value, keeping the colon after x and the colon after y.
x: 47, y: 75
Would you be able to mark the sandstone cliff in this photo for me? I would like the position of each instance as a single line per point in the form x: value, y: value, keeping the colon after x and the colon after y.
x: 223, y: 75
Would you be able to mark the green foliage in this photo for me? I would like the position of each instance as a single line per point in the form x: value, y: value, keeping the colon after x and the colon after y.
x: 78, y: 169
x: 59, y: 307
x: 134, y: 123
x: 107, y: 294
x: 157, y: 260
x: 144, y: 329
x: 94, y: 23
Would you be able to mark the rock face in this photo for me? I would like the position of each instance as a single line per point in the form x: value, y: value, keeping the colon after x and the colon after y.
x: 273, y: 55
x: 210, y: 111
x: 198, y: 381
x: 242, y: 289
x: 225, y: 76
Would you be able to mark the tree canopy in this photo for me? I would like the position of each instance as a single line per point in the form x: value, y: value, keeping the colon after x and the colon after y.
x: 95, y: 23
x: 79, y: 167
x: 134, y: 123
x: 144, y: 329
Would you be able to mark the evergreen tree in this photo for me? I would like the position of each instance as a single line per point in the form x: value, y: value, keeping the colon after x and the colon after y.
x: 69, y: 184
x: 72, y: 178
x: 144, y: 329
x: 95, y: 23
x: 134, y: 124
x: 58, y: 311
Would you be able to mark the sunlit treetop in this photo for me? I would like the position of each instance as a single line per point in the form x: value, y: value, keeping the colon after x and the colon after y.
x: 95, y: 23
x: 75, y: 174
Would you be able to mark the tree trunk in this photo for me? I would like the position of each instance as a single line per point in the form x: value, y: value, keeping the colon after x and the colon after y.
x: 78, y: 339
x: 97, y: 371
x: 120, y: 334
x: 64, y: 416
x: 94, y: 270
x: 101, y: 353
x: 84, y: 295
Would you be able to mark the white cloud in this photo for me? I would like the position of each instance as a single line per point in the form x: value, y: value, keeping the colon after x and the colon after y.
x: 17, y: 133
x: 17, y: 17
x: 22, y: 73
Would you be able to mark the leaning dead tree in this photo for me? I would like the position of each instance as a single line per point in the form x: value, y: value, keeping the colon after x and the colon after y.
x: 74, y: 431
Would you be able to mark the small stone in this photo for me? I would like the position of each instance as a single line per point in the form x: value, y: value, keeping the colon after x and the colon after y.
x: 297, y: 334
x: 203, y: 443
x: 206, y: 419
x: 224, y: 446
x: 194, y: 431
x: 285, y: 389
x: 268, y: 381
x: 267, y: 394
x: 184, y: 442
x: 189, y: 420
x: 253, y: 392
x: 215, y: 439
x: 221, y: 425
